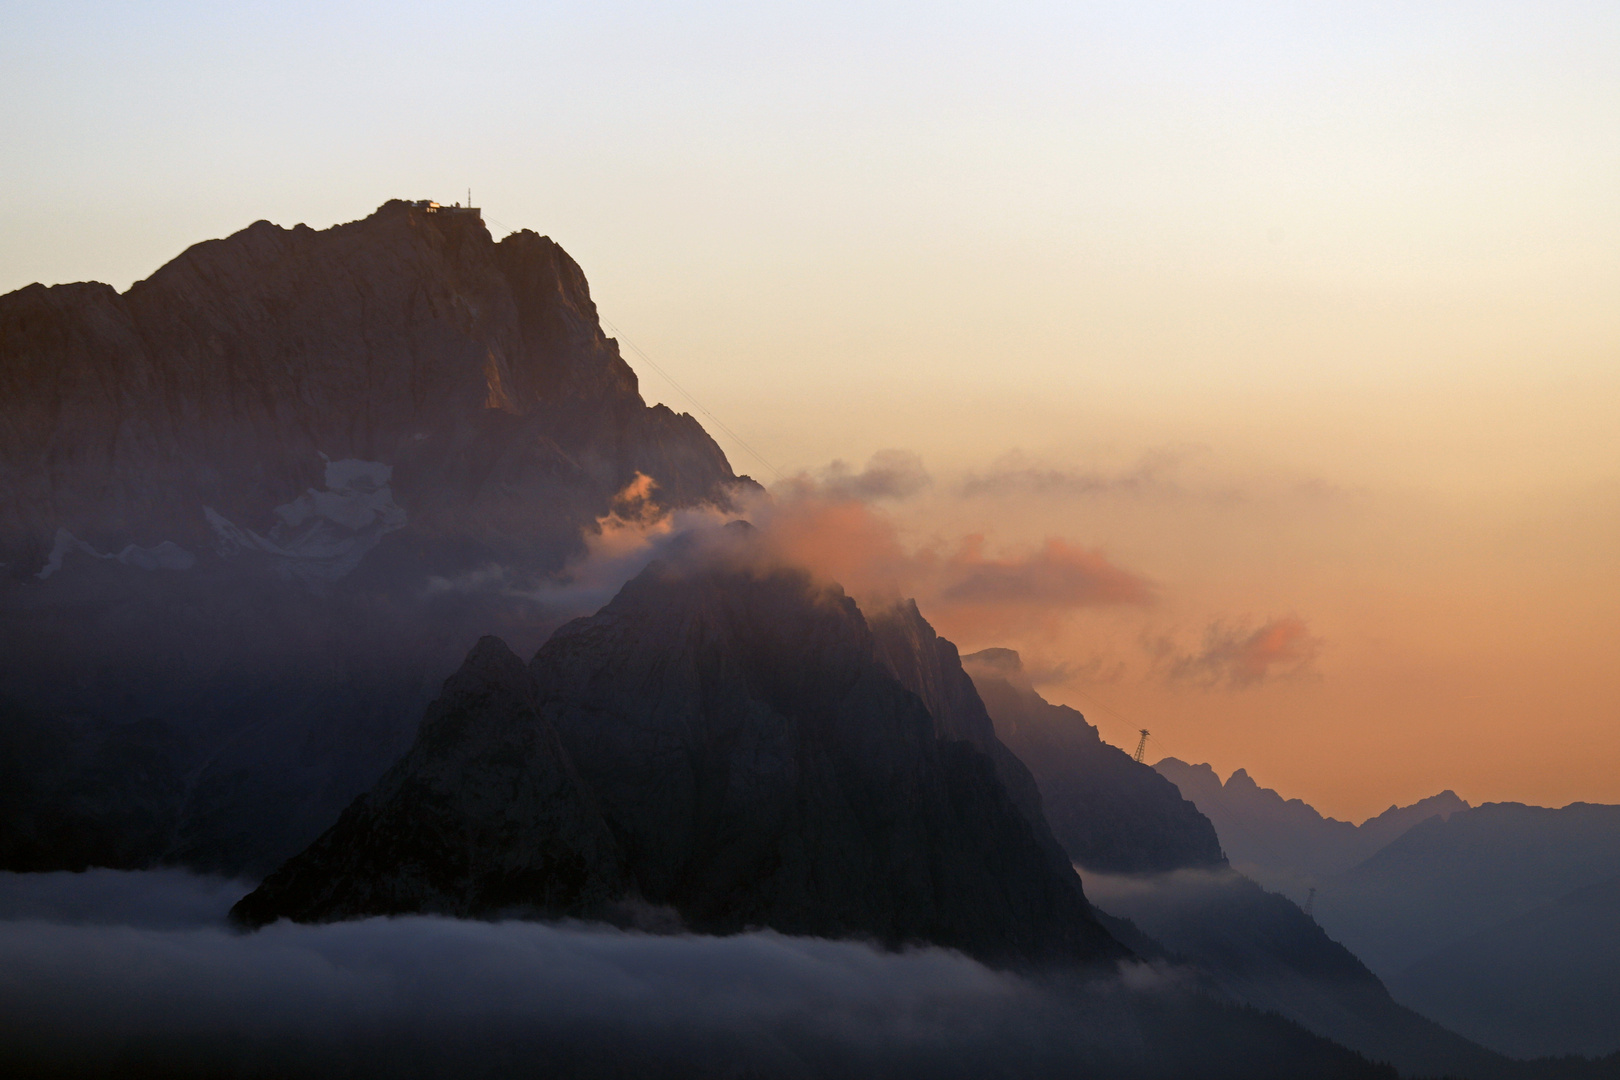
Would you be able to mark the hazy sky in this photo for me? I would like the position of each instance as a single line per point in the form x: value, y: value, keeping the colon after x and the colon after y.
x: 1308, y: 319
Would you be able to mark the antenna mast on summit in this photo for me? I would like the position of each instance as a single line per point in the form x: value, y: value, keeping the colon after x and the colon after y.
x: 1310, y: 902
x: 1141, y: 748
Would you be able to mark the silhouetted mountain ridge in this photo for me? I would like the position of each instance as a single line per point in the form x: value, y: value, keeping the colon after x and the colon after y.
x: 1285, y: 844
x: 1110, y: 813
x: 1444, y: 880
x: 755, y: 763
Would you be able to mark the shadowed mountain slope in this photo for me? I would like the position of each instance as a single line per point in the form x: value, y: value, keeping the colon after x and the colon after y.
x: 929, y: 666
x: 1261, y: 949
x: 1153, y: 859
x: 1544, y: 983
x: 485, y: 815
x: 757, y: 766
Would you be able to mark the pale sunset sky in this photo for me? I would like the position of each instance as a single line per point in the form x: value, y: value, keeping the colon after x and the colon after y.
x: 1302, y: 321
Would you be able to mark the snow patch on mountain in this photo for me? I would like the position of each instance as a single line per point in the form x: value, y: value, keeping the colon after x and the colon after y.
x: 322, y: 535
x: 165, y: 556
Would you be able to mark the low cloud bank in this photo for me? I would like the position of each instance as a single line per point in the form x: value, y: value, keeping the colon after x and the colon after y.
x: 89, y: 981
x: 92, y: 986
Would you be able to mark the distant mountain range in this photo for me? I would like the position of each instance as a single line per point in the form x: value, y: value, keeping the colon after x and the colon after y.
x: 1540, y: 984
x: 1445, y: 880
x: 1496, y: 920
x: 1149, y: 856
x: 1284, y: 844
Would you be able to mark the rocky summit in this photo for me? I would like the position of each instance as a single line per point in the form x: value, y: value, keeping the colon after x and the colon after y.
x: 197, y: 408
x: 754, y: 761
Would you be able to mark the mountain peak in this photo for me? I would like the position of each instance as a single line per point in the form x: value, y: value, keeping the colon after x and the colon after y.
x: 478, y: 371
x: 754, y: 763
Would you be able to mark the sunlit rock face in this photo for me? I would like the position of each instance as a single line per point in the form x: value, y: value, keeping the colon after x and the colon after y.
x: 266, y: 500
x: 235, y: 375
x: 757, y: 766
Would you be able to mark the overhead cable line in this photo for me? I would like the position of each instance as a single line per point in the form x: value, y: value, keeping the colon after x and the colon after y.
x: 1146, y: 737
x: 696, y: 404
x: 650, y: 362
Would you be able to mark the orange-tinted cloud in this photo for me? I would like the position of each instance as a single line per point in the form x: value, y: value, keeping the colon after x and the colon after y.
x: 1238, y: 657
x: 969, y: 592
x: 828, y: 523
x: 1057, y: 574
x: 1014, y: 474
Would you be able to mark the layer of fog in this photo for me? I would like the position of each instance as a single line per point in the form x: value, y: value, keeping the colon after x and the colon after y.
x: 108, y: 971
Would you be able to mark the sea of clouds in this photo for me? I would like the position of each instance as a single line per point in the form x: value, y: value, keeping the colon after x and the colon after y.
x: 127, y: 972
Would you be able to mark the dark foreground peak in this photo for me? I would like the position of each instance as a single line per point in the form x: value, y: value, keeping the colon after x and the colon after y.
x: 751, y: 761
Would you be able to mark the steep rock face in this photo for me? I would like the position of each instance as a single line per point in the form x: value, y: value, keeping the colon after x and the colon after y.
x: 761, y: 767
x: 270, y: 496
x: 476, y: 370
x: 757, y: 766
x: 485, y: 815
x: 1284, y: 843
x: 1110, y: 813
x: 929, y: 666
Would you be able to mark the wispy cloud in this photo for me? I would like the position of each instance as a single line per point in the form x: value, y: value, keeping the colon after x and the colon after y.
x: 1015, y: 474
x: 889, y: 474
x: 1238, y: 656
x: 835, y: 523
x: 856, y: 544
x: 1057, y: 574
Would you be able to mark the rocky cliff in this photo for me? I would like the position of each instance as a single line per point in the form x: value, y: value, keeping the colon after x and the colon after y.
x: 266, y: 499
x: 485, y: 815
x: 930, y: 667
x: 473, y: 373
x: 756, y: 764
